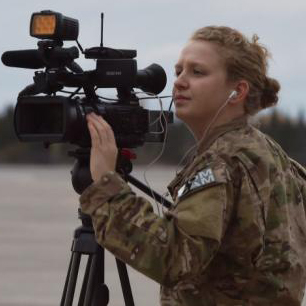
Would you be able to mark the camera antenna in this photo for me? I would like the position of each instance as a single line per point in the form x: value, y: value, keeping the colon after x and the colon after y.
x: 102, y: 19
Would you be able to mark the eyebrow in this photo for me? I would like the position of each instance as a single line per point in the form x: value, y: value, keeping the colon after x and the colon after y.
x: 191, y: 63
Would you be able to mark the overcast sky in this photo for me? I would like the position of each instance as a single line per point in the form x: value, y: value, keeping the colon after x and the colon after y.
x: 158, y: 29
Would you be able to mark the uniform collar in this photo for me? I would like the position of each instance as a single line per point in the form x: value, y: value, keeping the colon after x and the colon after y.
x: 216, y: 132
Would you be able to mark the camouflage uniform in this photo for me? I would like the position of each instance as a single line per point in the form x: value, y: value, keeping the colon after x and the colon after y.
x: 236, y: 234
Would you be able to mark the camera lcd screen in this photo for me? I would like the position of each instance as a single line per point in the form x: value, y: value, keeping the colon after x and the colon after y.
x: 46, y: 118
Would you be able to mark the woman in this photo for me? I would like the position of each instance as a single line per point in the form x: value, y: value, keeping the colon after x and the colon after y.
x: 237, y: 232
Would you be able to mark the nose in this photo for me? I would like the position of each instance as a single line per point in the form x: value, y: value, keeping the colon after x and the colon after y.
x: 181, y: 81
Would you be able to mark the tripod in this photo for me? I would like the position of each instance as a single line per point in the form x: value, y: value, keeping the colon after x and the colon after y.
x: 94, y: 291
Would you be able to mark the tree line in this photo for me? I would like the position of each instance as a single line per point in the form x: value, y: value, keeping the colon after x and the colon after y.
x: 289, y: 133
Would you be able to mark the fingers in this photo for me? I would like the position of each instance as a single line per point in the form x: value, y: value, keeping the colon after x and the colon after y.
x: 107, y: 128
x: 103, y: 153
x: 95, y: 139
x: 100, y: 129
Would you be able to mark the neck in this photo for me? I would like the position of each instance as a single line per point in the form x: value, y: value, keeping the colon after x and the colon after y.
x: 201, y: 132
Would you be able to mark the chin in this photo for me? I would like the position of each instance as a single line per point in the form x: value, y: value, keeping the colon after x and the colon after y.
x: 182, y: 116
x: 178, y: 114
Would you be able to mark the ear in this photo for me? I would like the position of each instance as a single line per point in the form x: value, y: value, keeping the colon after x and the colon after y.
x: 242, y: 88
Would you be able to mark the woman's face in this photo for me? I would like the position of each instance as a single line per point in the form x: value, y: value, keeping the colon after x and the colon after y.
x: 201, y: 87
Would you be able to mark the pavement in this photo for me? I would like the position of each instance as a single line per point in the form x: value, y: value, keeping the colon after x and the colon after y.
x: 38, y: 215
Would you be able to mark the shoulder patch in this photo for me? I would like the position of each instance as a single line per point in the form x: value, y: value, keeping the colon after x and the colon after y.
x: 201, y: 179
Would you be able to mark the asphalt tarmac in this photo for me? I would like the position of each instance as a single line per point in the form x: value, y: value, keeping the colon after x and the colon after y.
x: 38, y: 215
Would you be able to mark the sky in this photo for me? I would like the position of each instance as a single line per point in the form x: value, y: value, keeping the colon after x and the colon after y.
x: 158, y: 30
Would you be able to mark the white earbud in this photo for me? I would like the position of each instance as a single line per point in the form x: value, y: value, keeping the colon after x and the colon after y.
x: 233, y: 95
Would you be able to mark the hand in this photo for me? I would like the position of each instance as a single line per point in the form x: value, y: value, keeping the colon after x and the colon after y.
x: 104, y: 151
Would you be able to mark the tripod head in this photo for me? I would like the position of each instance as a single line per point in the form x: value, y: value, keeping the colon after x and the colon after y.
x: 81, y: 177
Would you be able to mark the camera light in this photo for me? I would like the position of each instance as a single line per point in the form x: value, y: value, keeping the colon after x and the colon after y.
x: 43, y: 25
x: 53, y: 25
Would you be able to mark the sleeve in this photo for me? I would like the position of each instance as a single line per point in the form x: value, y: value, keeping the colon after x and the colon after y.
x: 166, y: 249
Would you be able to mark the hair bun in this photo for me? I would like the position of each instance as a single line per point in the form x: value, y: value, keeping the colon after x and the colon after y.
x: 270, y: 93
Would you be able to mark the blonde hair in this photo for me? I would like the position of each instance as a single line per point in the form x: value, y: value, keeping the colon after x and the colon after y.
x: 244, y: 59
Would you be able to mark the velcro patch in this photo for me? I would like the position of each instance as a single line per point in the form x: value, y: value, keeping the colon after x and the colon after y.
x: 201, y: 179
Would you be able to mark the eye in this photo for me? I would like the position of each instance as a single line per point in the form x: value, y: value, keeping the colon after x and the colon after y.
x: 197, y: 72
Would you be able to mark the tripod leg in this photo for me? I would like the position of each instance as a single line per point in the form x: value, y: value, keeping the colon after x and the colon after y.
x: 97, y: 293
x: 125, y: 283
x: 94, y: 291
x: 73, y: 274
x: 66, y: 283
x: 85, y: 280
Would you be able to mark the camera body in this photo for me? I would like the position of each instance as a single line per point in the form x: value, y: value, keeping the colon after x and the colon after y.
x: 61, y: 119
x: 53, y: 118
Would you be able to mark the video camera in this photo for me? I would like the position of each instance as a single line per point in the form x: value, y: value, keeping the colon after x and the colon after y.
x: 52, y: 118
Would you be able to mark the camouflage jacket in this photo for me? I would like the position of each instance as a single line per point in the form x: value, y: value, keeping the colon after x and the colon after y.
x: 236, y: 234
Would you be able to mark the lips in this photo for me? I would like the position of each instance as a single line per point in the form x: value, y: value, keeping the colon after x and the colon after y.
x: 180, y: 98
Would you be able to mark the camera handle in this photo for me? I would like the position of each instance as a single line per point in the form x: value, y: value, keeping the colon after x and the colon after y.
x: 94, y: 292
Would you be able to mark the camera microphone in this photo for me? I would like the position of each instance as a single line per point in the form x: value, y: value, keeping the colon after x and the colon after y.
x: 35, y: 59
x: 31, y: 59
